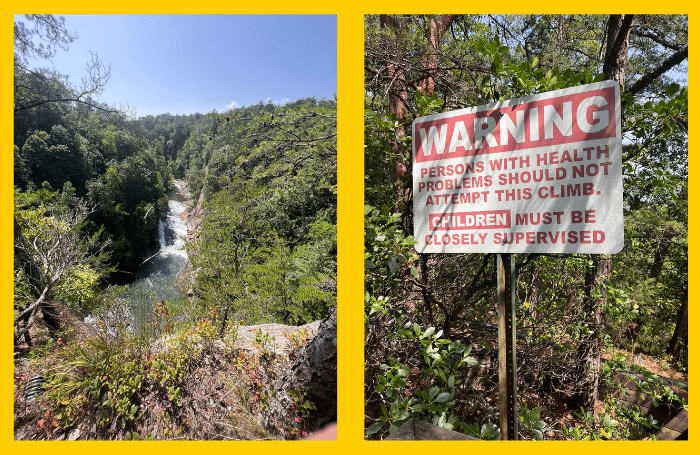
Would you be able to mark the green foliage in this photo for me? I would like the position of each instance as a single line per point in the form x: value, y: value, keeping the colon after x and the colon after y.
x: 384, y: 147
x: 659, y: 391
x: 131, y: 197
x: 96, y: 374
x: 69, y: 257
x: 243, y: 263
x: 621, y: 421
x: 530, y: 423
x: 604, y: 428
x: 102, y: 157
x: 268, y: 245
x: 80, y: 288
x: 488, y: 431
x: 443, y: 361
x: 264, y: 342
x: 113, y: 379
x: 312, y: 278
x: 283, y: 156
x: 485, y: 59
x: 508, y: 79
x: 387, y: 247
x: 301, y: 408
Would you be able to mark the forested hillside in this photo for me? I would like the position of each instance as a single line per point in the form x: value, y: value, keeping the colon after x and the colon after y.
x: 430, y: 347
x: 92, y: 185
x: 270, y: 169
x: 268, y: 243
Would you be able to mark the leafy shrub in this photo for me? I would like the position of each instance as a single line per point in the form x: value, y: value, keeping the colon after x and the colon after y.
x: 443, y: 361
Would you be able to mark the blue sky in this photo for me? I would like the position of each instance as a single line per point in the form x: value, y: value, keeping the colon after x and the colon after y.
x: 197, y: 63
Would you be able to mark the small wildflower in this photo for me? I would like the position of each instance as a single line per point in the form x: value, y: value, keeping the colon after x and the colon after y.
x: 297, y: 419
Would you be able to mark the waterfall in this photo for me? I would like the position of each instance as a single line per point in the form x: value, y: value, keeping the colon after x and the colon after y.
x: 173, y: 231
x: 156, y: 278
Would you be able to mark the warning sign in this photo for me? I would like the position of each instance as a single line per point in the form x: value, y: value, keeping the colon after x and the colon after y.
x: 536, y: 174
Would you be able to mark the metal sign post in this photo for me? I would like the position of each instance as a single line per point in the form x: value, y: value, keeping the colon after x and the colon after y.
x: 507, y: 373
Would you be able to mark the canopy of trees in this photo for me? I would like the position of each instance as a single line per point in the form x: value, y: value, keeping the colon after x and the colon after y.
x: 268, y: 242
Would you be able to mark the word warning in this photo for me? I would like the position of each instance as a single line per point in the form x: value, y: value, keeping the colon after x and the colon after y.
x: 536, y: 174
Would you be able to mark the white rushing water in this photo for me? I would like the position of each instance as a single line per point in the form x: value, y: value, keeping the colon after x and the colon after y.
x: 173, y: 231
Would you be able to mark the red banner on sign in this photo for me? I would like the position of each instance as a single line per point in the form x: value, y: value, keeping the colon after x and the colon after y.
x: 555, y: 121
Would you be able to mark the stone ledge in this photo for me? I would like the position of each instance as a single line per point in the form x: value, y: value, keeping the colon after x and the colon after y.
x: 416, y: 430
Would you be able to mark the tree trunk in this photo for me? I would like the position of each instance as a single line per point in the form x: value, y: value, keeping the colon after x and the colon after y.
x: 680, y: 334
x: 436, y: 29
x: 560, y: 43
x: 598, y: 276
x: 397, y: 87
x: 589, y: 351
x: 618, y: 42
x: 398, y: 94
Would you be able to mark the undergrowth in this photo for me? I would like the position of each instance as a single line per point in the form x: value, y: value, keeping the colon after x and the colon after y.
x: 165, y: 381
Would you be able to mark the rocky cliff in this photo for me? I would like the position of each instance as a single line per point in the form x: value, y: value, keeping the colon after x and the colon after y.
x: 193, y: 215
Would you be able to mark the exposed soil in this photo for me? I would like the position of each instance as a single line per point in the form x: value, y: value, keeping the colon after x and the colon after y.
x: 655, y: 365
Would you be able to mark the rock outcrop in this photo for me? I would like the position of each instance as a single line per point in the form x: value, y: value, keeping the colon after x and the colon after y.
x: 280, y: 333
x: 314, y: 374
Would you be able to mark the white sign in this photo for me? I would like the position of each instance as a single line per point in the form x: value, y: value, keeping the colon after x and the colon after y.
x: 540, y: 174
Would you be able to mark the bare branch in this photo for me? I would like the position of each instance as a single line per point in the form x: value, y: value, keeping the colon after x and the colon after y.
x: 52, y: 34
x: 57, y: 247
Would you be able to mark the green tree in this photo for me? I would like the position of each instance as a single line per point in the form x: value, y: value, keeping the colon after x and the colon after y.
x: 131, y: 198
x: 231, y: 261
x: 267, y: 177
x: 52, y: 248
x: 56, y: 158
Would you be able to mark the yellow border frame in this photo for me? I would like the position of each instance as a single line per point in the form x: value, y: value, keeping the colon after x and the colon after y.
x: 350, y: 200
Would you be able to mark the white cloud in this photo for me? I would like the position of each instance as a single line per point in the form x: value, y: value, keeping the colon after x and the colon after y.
x: 229, y: 106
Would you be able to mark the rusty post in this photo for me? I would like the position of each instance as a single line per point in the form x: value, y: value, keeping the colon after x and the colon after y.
x: 507, y: 374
